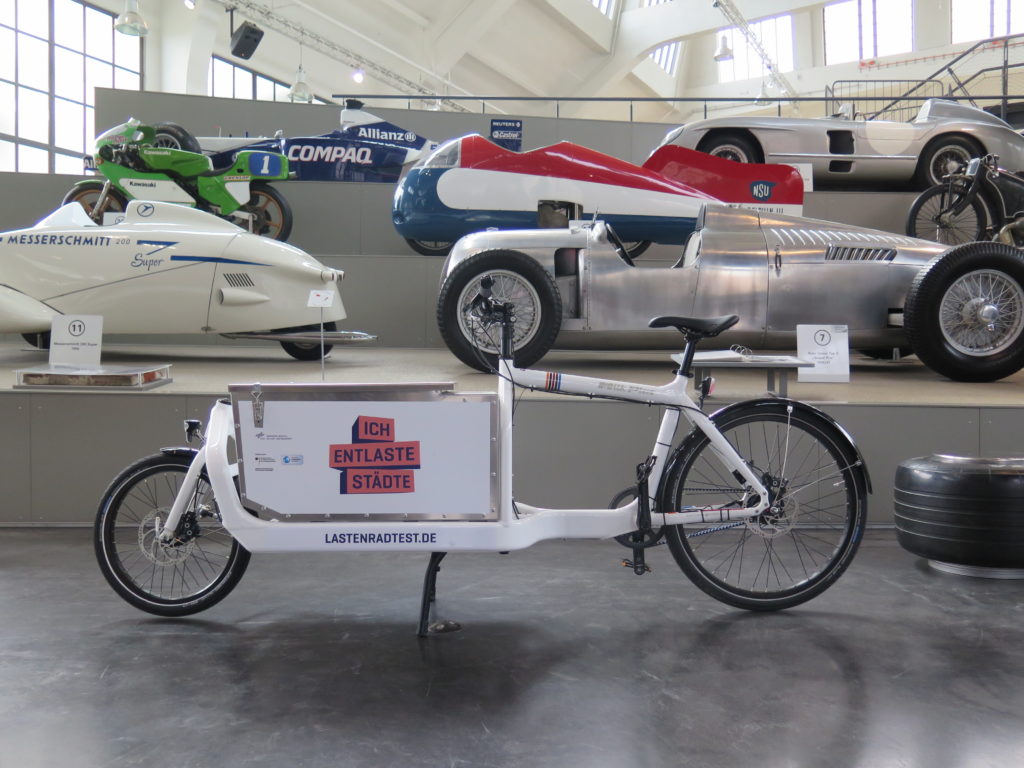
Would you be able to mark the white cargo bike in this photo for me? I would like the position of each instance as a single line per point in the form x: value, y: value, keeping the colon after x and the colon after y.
x: 763, y: 503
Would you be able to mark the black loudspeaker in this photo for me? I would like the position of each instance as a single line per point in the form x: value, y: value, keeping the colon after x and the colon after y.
x: 245, y: 39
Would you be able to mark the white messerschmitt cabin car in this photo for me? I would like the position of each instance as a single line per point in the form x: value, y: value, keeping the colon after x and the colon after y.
x: 162, y: 269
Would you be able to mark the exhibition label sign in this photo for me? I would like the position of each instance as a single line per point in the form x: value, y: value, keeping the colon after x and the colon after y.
x: 76, y: 340
x: 828, y: 348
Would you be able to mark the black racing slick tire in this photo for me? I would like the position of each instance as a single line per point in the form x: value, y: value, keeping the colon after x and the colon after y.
x: 798, y: 547
x: 732, y: 146
x: 961, y: 510
x: 964, y: 312
x: 173, y: 136
x: 930, y: 216
x: 187, y: 575
x: 518, y: 280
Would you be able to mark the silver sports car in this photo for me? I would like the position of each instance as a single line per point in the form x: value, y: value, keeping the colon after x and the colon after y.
x: 960, y: 309
x: 943, y: 136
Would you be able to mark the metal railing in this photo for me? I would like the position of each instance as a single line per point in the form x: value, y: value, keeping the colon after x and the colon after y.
x: 868, y: 96
x: 950, y: 76
x: 701, y: 104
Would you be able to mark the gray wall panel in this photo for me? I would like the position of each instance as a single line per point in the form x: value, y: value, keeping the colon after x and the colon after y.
x: 1002, y: 432
x: 79, y: 442
x: 579, y: 454
x: 889, y: 434
x: 15, y: 458
x: 62, y: 448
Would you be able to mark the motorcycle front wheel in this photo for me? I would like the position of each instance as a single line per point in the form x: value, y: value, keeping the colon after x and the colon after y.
x: 88, y: 193
x: 931, y: 216
x: 272, y: 212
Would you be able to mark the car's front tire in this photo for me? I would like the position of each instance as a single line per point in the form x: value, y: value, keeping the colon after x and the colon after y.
x: 964, y: 313
x: 430, y: 247
x: 945, y: 155
x: 518, y: 280
x: 732, y: 146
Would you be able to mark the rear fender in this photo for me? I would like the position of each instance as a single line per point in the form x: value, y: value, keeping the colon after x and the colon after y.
x: 846, y: 444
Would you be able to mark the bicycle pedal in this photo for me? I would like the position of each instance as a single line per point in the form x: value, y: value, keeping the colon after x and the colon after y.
x: 644, y: 568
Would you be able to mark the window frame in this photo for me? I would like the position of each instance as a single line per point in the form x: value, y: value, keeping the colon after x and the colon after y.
x: 20, y: 146
x: 279, y: 86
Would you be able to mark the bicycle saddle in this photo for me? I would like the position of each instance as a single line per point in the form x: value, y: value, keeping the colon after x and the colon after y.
x: 705, y: 327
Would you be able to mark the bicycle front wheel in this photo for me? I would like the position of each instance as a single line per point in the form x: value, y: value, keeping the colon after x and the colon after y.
x: 803, y: 542
x: 195, y: 570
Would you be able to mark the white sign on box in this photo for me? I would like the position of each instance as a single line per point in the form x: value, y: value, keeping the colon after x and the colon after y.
x: 367, y: 457
x: 828, y: 347
x: 76, y: 340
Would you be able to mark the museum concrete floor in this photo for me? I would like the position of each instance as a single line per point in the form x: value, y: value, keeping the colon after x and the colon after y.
x: 564, y: 659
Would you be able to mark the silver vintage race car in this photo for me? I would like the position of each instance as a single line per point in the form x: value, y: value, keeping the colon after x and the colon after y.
x: 961, y: 309
x: 943, y: 136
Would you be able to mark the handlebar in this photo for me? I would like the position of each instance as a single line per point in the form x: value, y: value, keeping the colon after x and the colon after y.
x: 492, y: 312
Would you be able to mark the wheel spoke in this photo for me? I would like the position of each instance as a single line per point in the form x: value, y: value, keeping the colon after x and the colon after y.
x: 162, y: 574
x: 794, y: 549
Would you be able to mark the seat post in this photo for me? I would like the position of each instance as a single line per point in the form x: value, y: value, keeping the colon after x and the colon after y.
x: 688, y: 352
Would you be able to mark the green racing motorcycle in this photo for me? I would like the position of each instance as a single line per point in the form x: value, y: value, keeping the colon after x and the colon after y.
x: 164, y: 162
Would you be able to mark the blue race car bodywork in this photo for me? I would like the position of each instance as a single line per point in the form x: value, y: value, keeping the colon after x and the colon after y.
x: 365, y: 148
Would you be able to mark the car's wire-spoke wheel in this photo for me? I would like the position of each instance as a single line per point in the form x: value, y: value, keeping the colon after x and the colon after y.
x: 982, y: 312
x: 944, y: 156
x: 737, y: 147
x: 964, y: 312
x: 932, y: 217
x: 508, y: 288
x: 949, y: 160
x: 518, y: 280
x: 803, y: 542
x: 198, y: 567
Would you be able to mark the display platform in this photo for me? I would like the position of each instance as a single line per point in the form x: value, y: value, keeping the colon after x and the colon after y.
x: 208, y: 369
x: 62, y: 448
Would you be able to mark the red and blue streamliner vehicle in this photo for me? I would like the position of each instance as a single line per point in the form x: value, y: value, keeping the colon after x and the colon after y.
x: 470, y: 184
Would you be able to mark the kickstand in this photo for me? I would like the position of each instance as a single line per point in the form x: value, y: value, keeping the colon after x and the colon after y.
x: 429, y: 590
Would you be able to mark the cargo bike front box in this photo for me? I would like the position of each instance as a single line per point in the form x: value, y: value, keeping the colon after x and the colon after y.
x: 334, y: 465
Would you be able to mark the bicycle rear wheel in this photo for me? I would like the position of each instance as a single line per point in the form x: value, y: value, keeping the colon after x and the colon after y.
x: 187, y: 575
x: 804, y: 542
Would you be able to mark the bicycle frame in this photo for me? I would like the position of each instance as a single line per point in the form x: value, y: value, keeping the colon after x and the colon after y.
x: 518, y: 525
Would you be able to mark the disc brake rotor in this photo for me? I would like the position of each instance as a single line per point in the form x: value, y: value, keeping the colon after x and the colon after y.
x: 161, y: 553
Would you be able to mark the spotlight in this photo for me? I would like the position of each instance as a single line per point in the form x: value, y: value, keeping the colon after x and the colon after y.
x: 131, y: 22
x: 724, y: 52
x: 358, y: 75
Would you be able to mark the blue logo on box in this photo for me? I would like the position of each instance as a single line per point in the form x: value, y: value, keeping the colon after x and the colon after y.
x: 762, y: 190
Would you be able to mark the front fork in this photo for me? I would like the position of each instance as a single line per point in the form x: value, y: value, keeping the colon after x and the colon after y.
x: 101, y: 203
x: 188, y: 487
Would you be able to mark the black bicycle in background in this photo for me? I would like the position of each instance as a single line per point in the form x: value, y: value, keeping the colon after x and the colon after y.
x: 981, y: 201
